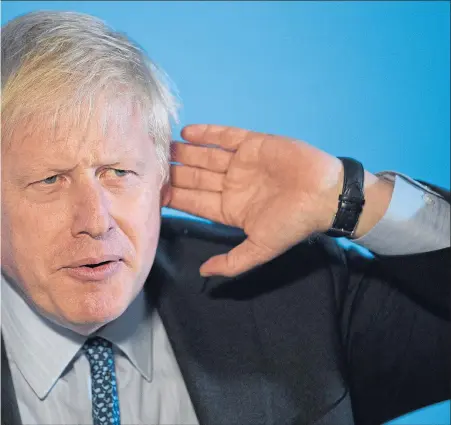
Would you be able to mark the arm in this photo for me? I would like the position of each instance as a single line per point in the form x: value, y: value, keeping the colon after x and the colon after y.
x: 395, y: 326
x: 280, y: 191
x: 411, y: 243
x: 395, y: 314
x: 417, y: 219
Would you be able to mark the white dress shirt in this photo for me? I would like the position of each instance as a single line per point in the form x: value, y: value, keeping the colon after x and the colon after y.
x: 417, y: 220
x: 52, y: 379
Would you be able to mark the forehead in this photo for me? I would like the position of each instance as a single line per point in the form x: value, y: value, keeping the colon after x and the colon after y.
x: 116, y: 126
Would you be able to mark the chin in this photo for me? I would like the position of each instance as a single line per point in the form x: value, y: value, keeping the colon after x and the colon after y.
x: 88, y: 320
x: 89, y: 311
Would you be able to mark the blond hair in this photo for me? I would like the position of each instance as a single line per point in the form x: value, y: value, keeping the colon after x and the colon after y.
x: 55, y: 63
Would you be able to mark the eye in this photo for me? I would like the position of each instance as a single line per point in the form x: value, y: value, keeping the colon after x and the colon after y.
x: 49, y: 180
x: 118, y: 174
x: 122, y: 173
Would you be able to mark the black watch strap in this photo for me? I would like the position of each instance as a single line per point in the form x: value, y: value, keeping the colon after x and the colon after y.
x: 351, y: 200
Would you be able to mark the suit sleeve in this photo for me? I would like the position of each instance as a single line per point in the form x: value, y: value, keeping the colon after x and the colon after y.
x: 395, y: 323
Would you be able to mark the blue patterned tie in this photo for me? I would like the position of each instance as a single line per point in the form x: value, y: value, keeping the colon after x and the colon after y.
x: 105, y: 402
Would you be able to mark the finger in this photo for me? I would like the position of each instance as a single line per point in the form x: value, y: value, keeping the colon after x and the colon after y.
x: 183, y: 176
x: 209, y: 158
x: 240, y: 259
x: 197, y: 202
x: 219, y: 135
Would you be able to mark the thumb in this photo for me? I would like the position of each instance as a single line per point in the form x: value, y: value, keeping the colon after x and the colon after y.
x: 240, y: 259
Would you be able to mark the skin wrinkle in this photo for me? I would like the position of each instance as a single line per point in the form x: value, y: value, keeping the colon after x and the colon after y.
x: 61, y: 99
x: 46, y: 128
x: 78, y: 99
x: 86, y: 212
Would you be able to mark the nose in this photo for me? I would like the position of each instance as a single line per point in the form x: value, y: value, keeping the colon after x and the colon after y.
x: 91, y: 211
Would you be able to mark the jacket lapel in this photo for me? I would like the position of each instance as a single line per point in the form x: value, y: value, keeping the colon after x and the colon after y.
x: 248, y: 347
x: 214, y: 341
x: 10, y: 410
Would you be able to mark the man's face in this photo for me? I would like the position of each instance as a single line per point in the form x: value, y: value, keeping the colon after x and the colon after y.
x: 79, y: 196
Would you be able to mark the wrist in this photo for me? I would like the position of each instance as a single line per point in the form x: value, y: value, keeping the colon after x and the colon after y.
x: 378, y: 194
x: 330, y: 199
x: 350, y: 201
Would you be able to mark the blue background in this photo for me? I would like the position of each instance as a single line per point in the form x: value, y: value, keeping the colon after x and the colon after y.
x: 365, y: 79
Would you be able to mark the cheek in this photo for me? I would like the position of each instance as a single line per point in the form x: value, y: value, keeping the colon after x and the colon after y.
x: 140, y: 221
x: 27, y: 234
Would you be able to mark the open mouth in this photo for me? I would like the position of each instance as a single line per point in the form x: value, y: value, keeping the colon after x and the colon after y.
x: 93, y: 266
x: 93, y: 269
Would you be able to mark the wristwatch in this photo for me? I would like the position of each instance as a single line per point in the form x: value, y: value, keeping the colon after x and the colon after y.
x: 351, y: 200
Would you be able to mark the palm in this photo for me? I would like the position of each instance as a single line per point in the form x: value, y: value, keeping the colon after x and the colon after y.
x: 256, y: 195
x: 260, y: 183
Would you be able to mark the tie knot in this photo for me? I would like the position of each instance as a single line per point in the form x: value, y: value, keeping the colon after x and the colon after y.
x: 98, y: 350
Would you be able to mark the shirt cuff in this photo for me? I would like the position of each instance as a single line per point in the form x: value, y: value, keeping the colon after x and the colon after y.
x: 417, y: 220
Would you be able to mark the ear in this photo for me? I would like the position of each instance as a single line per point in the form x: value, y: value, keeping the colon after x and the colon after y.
x: 165, y: 195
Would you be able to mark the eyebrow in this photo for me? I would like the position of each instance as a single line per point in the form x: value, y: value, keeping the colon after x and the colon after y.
x: 23, y: 176
x: 138, y: 162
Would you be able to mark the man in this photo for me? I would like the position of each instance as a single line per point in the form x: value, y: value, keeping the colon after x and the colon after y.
x: 259, y: 319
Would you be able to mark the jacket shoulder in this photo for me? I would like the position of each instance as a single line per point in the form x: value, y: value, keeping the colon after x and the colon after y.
x: 202, y: 230
x: 212, y: 238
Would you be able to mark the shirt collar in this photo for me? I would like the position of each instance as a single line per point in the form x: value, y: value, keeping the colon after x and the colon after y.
x: 42, y: 350
x: 132, y: 334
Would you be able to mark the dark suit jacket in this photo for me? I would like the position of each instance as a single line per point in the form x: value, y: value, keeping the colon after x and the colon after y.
x: 320, y: 335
